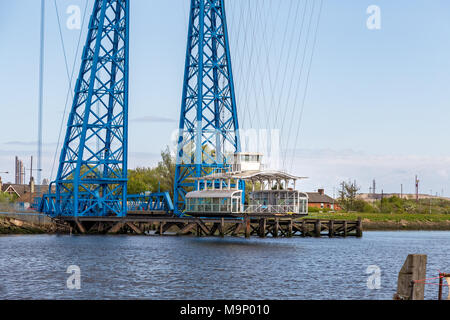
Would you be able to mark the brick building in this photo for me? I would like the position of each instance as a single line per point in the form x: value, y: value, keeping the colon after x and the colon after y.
x: 23, y: 192
x: 322, y: 201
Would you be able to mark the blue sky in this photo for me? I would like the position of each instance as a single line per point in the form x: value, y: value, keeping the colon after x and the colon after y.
x: 377, y: 104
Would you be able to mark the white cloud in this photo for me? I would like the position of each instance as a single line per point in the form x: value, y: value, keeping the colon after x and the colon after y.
x: 327, y: 168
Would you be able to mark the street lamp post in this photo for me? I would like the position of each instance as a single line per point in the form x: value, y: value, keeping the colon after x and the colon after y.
x: 431, y: 192
x: 31, y: 178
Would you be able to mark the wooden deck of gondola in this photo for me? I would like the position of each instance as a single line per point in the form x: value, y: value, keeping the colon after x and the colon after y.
x: 274, y: 226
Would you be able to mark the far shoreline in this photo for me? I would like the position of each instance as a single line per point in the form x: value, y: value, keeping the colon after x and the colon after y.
x: 406, y: 226
x: 391, y: 221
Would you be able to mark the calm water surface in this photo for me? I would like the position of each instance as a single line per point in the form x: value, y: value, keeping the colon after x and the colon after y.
x: 129, y: 267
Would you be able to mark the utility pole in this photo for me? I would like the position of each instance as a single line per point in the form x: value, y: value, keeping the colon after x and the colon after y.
x: 32, y: 182
x: 33, y: 170
x: 401, y: 191
x: 417, y: 189
x: 431, y: 192
x: 334, y: 196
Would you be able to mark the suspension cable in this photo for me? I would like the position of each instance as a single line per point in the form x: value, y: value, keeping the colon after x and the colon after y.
x: 69, y: 76
x: 307, y: 84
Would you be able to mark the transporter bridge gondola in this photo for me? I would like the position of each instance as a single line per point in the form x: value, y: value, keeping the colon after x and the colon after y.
x: 273, y: 193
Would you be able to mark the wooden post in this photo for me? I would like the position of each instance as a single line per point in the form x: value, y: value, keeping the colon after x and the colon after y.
x: 262, y: 228
x: 276, y: 228
x: 116, y: 228
x: 134, y: 228
x: 80, y: 226
x: 359, y: 228
x: 303, y: 228
x: 187, y: 229
x: 317, y: 228
x: 247, y: 228
x: 414, y: 268
x: 345, y: 229
x: 443, y: 276
x: 290, y: 227
x: 331, y: 229
x: 222, y: 228
x: 236, y: 231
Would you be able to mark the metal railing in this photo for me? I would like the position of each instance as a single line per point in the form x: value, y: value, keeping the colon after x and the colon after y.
x: 274, y: 209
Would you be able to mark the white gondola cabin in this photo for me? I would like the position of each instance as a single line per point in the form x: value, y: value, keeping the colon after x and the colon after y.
x: 218, y: 194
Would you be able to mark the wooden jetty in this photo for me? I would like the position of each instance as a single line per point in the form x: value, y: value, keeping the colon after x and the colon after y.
x: 262, y: 227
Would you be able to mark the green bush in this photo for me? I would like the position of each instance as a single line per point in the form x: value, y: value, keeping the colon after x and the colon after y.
x: 313, y: 209
x: 368, y: 208
x: 5, y: 198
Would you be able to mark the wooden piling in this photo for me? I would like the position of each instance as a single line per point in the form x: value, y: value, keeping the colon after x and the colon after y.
x: 116, y: 228
x: 408, y: 286
x: 331, y: 229
x: 276, y: 228
x: 80, y: 226
x: 222, y: 227
x: 443, y: 276
x: 359, y: 228
x: 290, y: 227
x: 304, y: 232
x: 262, y: 228
x: 247, y: 228
x: 317, y: 228
x: 345, y: 229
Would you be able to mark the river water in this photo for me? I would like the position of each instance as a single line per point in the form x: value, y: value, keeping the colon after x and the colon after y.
x: 131, y: 267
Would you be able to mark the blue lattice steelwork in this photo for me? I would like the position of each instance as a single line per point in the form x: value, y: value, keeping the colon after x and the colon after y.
x: 160, y: 201
x: 208, y: 124
x: 92, y: 174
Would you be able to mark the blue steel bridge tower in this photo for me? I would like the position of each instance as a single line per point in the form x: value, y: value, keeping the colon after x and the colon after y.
x: 92, y: 173
x: 208, y: 132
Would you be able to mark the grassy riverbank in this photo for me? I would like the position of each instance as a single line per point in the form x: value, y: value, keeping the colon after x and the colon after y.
x: 392, y: 221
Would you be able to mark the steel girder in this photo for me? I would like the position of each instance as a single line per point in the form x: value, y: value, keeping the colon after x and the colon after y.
x: 208, y: 132
x: 159, y: 201
x: 92, y: 173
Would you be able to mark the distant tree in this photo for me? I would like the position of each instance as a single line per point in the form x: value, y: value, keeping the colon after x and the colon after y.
x: 166, y: 170
x: 161, y: 177
x: 5, y: 198
x: 347, y: 195
x: 141, y: 180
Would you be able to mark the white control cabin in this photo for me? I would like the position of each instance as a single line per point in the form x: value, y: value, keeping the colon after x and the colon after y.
x: 245, y: 162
